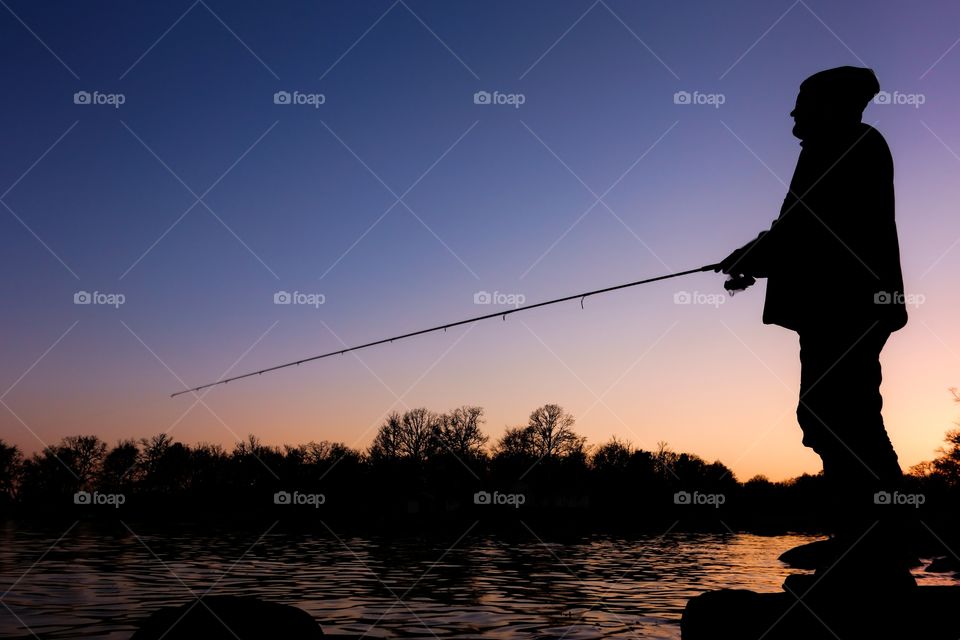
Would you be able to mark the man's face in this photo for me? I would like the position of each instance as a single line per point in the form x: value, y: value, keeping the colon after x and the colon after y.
x: 809, y: 115
x: 817, y: 115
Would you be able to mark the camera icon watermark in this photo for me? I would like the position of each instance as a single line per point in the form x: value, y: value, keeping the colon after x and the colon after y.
x: 499, y: 298
x: 99, y: 298
x: 897, y: 98
x: 299, y: 499
x: 696, y: 498
x: 114, y: 100
x: 898, y: 297
x: 515, y: 500
x: 299, y: 298
x: 297, y: 98
x: 96, y: 498
x: 714, y: 100
x: 696, y: 297
x: 898, y: 499
x: 512, y: 99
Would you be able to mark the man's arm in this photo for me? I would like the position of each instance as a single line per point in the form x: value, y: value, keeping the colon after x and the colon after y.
x: 754, y: 258
x: 751, y: 258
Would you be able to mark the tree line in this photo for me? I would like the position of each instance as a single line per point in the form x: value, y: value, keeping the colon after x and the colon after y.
x: 420, y: 461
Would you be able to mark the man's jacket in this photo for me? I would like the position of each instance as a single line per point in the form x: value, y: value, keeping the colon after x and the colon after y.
x: 832, y: 257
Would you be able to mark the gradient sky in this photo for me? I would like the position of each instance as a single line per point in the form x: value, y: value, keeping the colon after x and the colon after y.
x: 493, y: 198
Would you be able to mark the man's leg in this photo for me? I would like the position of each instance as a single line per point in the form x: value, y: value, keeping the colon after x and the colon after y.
x: 840, y: 415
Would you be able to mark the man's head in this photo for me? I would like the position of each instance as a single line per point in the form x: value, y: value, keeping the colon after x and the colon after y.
x: 833, y: 100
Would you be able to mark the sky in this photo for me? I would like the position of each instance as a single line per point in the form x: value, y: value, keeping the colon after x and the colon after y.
x: 170, y: 171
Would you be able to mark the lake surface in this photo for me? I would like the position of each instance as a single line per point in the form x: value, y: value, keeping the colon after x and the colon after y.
x: 97, y: 583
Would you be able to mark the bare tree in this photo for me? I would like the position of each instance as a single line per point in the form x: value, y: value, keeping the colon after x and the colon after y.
x: 407, y: 436
x: 515, y: 442
x: 84, y: 455
x: 120, y: 464
x: 551, y: 432
x: 152, y: 450
x: 386, y: 444
x: 416, y: 440
x: 458, y: 431
x: 614, y: 454
x: 664, y: 459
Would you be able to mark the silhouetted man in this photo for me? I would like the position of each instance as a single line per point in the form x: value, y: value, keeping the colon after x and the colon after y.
x: 832, y: 263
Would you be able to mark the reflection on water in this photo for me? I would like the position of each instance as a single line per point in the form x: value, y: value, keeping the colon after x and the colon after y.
x: 98, y: 584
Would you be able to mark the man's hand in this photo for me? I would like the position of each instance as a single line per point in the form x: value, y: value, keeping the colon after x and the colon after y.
x: 734, y: 261
x: 742, y: 261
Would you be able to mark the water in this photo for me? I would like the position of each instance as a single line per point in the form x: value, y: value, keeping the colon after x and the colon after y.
x: 97, y: 584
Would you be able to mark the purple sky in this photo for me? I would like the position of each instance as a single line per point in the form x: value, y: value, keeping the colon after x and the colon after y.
x: 392, y: 196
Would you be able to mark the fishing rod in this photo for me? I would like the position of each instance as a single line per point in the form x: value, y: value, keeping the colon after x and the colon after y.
x: 733, y: 284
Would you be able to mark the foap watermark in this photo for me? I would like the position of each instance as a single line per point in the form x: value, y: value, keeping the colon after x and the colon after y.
x: 300, y: 499
x: 909, y: 99
x: 297, y: 98
x: 499, y: 298
x: 512, y: 99
x: 899, y: 297
x: 514, y: 500
x: 710, y: 99
x: 696, y: 297
x: 99, y: 499
x: 696, y: 498
x: 97, y: 98
x: 100, y: 298
x: 300, y: 298
x: 896, y: 498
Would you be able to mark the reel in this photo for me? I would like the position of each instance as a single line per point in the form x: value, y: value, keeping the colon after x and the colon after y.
x: 737, y: 283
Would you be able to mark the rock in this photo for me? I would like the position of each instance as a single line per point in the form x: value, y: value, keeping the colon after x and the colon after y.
x: 945, y: 564
x: 810, y: 555
x: 824, y: 553
x: 922, y: 612
x: 229, y: 618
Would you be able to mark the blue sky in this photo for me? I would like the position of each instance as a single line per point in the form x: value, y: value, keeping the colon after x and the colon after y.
x: 199, y: 198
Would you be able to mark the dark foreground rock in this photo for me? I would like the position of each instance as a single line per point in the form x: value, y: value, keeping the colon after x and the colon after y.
x: 229, y: 618
x: 931, y: 613
x: 945, y: 564
x: 823, y: 553
x: 810, y: 555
